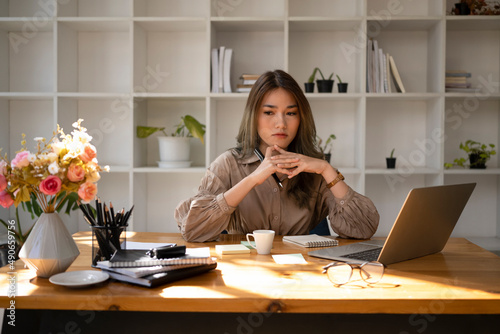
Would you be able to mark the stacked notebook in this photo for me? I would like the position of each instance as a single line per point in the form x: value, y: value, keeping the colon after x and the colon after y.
x: 310, y: 240
x: 137, y: 267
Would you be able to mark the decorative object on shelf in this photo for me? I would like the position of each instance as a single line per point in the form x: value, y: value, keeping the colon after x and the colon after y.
x: 324, y: 85
x: 391, y: 160
x: 478, y: 155
x: 476, y: 7
x: 327, y: 147
x: 248, y: 80
x: 46, y: 181
x: 175, y: 149
x: 341, y: 86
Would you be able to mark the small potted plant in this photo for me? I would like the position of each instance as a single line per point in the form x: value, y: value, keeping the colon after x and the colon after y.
x: 324, y: 85
x: 342, y: 86
x: 478, y: 155
x: 175, y: 149
x: 309, y: 85
x: 391, y: 160
x: 326, y: 149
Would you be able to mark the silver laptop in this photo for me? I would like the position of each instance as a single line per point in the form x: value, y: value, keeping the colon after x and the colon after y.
x: 422, y: 227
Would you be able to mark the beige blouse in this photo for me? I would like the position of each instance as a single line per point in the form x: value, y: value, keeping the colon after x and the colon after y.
x: 204, y: 216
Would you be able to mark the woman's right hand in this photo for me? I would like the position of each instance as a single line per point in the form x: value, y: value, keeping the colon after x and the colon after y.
x: 268, y: 167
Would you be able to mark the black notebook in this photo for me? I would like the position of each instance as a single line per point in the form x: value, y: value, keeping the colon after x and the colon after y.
x: 139, y: 258
x: 157, y: 279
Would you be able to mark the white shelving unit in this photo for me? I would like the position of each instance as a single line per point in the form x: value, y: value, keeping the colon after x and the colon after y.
x: 123, y: 63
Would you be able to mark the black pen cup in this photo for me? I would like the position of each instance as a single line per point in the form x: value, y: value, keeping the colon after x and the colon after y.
x: 106, y: 240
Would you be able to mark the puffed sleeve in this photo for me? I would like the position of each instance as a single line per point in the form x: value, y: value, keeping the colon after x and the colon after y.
x: 353, y: 216
x: 204, y: 216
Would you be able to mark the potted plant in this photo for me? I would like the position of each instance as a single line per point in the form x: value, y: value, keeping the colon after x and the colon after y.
x: 175, y: 149
x: 324, y: 85
x: 391, y: 160
x: 342, y: 86
x: 309, y: 85
x: 478, y: 155
x: 326, y: 149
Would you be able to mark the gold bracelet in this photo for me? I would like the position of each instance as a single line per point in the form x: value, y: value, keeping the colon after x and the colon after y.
x: 339, y: 178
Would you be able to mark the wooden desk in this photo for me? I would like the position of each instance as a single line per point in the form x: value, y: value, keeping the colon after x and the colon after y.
x: 463, y: 279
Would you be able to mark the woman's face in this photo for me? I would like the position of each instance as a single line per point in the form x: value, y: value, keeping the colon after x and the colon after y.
x: 278, y: 119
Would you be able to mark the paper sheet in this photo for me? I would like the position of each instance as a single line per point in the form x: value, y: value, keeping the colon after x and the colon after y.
x: 289, y: 259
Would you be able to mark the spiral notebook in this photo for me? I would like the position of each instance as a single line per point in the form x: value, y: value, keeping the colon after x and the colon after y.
x: 138, y: 258
x: 310, y: 240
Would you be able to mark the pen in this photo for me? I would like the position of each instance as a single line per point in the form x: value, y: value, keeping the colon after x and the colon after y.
x: 261, y: 158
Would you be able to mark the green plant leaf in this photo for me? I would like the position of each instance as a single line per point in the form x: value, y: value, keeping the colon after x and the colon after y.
x: 338, y: 78
x: 146, y: 131
x: 196, y: 129
x: 313, y: 75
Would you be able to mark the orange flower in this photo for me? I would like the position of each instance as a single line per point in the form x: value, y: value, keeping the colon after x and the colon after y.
x: 76, y: 173
x: 87, y: 191
x: 89, y: 153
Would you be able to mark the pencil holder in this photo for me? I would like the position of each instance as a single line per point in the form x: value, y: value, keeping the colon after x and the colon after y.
x: 106, y: 240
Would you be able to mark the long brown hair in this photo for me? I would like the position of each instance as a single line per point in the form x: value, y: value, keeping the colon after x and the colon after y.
x: 304, y: 141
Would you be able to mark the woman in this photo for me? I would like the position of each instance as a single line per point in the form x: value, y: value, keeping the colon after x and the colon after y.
x: 239, y: 193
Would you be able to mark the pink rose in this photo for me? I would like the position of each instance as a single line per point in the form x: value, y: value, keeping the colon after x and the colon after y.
x: 88, y: 153
x: 3, y: 183
x: 51, y: 185
x: 3, y: 167
x: 76, y: 173
x: 87, y: 191
x: 21, y: 160
x: 5, y: 199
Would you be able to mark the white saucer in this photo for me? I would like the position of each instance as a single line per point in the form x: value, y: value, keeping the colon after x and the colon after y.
x: 174, y: 164
x: 78, y: 279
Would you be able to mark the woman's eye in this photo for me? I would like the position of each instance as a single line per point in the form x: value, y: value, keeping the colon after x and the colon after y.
x: 267, y: 112
x: 292, y: 113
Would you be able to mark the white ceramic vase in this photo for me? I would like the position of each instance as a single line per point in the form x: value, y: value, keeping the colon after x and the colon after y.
x: 50, y: 248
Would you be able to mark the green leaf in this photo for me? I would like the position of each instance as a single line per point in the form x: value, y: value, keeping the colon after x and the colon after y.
x: 146, y: 131
x: 196, y: 129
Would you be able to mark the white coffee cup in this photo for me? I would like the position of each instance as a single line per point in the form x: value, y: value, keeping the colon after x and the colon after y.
x: 263, y: 240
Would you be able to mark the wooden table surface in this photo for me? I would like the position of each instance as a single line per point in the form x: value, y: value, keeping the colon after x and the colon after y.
x: 462, y: 279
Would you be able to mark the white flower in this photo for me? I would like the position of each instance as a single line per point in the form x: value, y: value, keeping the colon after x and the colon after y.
x: 57, y: 147
x: 52, y: 156
x: 53, y: 168
x: 39, y: 139
x: 32, y: 157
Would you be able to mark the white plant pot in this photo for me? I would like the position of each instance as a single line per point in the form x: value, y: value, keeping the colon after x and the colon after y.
x: 174, y: 149
x: 50, y: 248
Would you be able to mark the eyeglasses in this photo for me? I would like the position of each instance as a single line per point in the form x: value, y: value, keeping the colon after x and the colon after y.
x: 340, y: 273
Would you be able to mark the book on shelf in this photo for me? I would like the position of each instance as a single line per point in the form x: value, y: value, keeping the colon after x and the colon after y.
x: 369, y: 66
x: 139, y: 258
x: 310, y: 240
x: 460, y: 90
x: 161, y: 278
x: 227, y: 70
x: 388, y: 73
x: 398, y: 83
x: 375, y: 60
x: 215, y: 70
x: 249, y: 79
x: 458, y: 74
x: 242, y: 88
x: 221, y: 59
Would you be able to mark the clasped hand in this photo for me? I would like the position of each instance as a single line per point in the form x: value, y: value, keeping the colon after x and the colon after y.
x: 277, y: 160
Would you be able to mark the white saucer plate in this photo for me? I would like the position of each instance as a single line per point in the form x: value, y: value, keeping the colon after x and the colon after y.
x: 78, y: 279
x: 174, y: 164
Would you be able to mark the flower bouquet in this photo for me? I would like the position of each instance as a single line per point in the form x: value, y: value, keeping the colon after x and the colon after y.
x: 61, y: 171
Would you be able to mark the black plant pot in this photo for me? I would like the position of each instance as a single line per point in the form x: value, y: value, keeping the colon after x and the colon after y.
x: 309, y: 87
x: 390, y: 162
x: 325, y: 86
x: 342, y: 87
x: 328, y: 156
x: 476, y: 162
x: 462, y: 9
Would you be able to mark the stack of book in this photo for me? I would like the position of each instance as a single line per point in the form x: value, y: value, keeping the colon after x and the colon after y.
x: 248, y: 80
x: 138, y: 267
x: 458, y: 81
x: 221, y: 69
x: 381, y: 70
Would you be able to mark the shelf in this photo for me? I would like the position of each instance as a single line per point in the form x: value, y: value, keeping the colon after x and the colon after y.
x: 122, y: 63
x: 402, y: 171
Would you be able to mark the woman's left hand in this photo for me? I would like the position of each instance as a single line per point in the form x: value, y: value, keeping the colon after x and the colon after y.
x: 298, y: 163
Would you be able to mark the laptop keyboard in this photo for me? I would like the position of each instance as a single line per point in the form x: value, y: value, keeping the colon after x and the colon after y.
x: 367, y: 255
